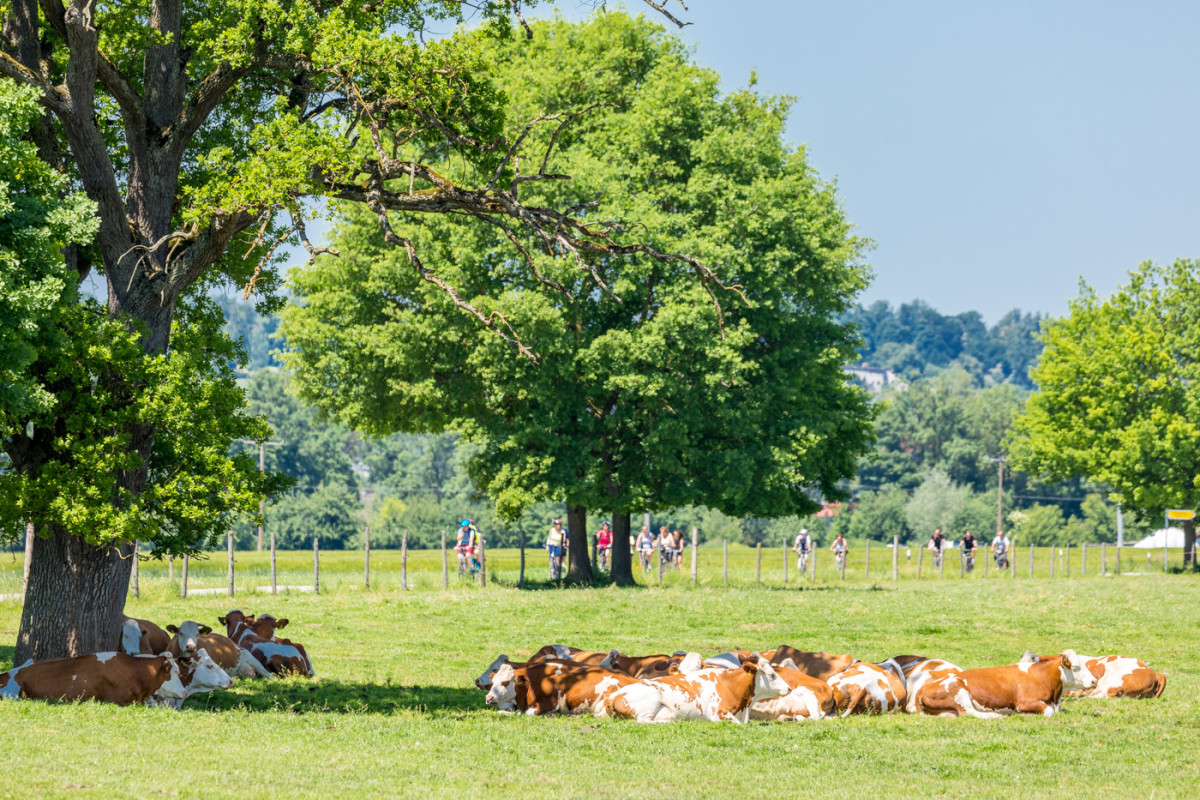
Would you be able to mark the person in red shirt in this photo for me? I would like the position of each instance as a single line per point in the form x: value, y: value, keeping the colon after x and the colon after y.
x: 604, y: 539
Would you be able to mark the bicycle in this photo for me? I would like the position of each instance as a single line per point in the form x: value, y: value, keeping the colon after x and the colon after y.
x: 802, y: 560
x: 839, y: 559
x: 464, y: 563
x: 1001, y: 557
x: 937, y: 558
x: 969, y: 560
x: 602, y: 559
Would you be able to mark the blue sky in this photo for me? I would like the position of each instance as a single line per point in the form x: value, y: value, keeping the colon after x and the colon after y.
x: 995, y: 152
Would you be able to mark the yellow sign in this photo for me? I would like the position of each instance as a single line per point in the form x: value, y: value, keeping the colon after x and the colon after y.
x: 1180, y: 513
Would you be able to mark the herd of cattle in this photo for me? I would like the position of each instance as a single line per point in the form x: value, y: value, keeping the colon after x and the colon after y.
x: 791, y: 684
x: 156, y: 666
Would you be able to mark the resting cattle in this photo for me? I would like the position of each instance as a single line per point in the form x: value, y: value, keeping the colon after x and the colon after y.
x: 278, y: 658
x: 548, y: 687
x: 547, y: 653
x: 266, y: 626
x: 1110, y: 676
x: 819, y: 665
x: 717, y: 694
x: 118, y: 678
x: 1029, y: 688
x: 920, y: 671
x: 636, y: 666
x: 191, y: 637
x: 809, y: 698
x: 864, y: 688
x: 142, y: 636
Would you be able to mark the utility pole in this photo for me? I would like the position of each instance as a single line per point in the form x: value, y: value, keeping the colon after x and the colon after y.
x: 262, y: 467
x: 999, y: 461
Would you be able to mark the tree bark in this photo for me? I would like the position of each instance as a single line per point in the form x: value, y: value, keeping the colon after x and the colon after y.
x: 622, y: 562
x: 580, y: 568
x: 1189, y: 544
x: 74, y: 600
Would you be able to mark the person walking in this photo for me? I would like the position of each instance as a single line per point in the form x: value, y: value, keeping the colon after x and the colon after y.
x: 556, y: 548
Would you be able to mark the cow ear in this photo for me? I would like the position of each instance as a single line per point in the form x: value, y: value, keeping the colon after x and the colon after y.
x: 281, y: 623
x: 222, y: 620
x: 205, y: 630
x: 750, y: 666
x: 170, y: 629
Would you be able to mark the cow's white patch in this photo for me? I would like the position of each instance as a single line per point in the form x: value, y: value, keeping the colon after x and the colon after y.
x: 561, y: 650
x: 723, y: 661
x: 484, y: 681
x: 103, y: 657
x: 12, y: 689
x: 1024, y: 666
x: 73, y: 677
x: 172, y: 687
x: 131, y: 637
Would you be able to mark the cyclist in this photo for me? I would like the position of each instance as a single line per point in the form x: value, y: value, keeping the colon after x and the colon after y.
x: 555, y: 547
x: 839, y: 549
x: 937, y: 544
x: 802, y: 547
x: 968, y: 549
x: 467, y: 547
x: 679, y: 542
x: 604, y: 539
x: 1000, y: 546
x: 645, y: 547
x: 666, y: 545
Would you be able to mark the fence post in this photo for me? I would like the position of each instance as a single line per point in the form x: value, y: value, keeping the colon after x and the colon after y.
x: 229, y: 565
x: 316, y: 567
x: 445, y: 569
x: 521, y: 575
x: 596, y: 552
x: 867, y: 572
x: 1012, y: 561
x: 660, y: 563
x: 482, y: 564
x: 1117, y: 550
x: 1103, y: 558
x: 895, y: 558
x: 845, y: 558
x: 1083, y: 548
x: 920, y: 560
x: 367, y: 559
x: 183, y: 583
x: 725, y: 561
x: 812, y: 556
x: 274, y: 586
x: 1052, y: 555
x: 695, y: 567
x: 1031, y: 559
x: 1164, y: 550
x: 171, y: 568
x: 1067, y: 570
x: 136, y: 589
x: 942, y: 562
x: 404, y: 560
x: 785, y: 560
x: 758, y: 563
x: 962, y: 562
x: 985, y: 567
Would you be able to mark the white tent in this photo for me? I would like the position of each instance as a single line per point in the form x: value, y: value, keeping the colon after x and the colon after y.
x: 1173, y: 537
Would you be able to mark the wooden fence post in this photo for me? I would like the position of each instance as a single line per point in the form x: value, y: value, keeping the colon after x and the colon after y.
x: 1031, y: 559
x: 404, y: 560
x: 137, y: 592
x: 920, y: 560
x: 1012, y: 561
x: 962, y: 562
x: 445, y: 568
x: 274, y: 586
x: 725, y: 562
x: 171, y: 568
x: 812, y: 556
x: 660, y: 563
x: 229, y: 566
x: 985, y: 567
x: 316, y: 567
x: 521, y: 575
x: 1103, y: 558
x: 867, y: 572
x: 895, y: 558
x: 1117, y: 551
x: 1067, y: 565
x: 1052, y: 555
x: 367, y: 559
x: 482, y: 564
x: 758, y: 563
x: 183, y: 582
x: 942, y: 562
x: 842, y: 569
x: 785, y: 560
x: 695, y: 566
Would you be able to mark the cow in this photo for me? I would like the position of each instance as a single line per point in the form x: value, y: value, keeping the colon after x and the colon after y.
x: 1111, y: 676
x: 636, y: 666
x: 278, y: 658
x: 548, y: 687
x: 919, y: 671
x: 863, y: 688
x: 191, y: 636
x: 266, y: 626
x: 110, y: 677
x: 142, y: 636
x: 820, y: 665
x: 809, y: 698
x: 717, y: 694
x: 551, y: 652
x: 1028, y: 688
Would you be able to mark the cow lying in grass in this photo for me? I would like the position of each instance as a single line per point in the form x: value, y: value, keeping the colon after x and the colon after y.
x: 1107, y: 676
x: 809, y: 698
x: 112, y: 678
x: 277, y: 657
x: 561, y: 687
x: 1028, y: 688
x: 191, y: 637
x: 864, y: 688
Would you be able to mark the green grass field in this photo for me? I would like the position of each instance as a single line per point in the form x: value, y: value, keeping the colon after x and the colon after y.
x: 393, y: 711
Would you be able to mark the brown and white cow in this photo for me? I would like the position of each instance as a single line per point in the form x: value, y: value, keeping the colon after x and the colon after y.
x: 919, y: 671
x: 1110, y: 676
x: 551, y: 652
x: 191, y: 637
x: 636, y: 666
x: 279, y: 659
x: 142, y: 636
x: 717, y: 694
x: 112, y: 677
x: 864, y: 688
x: 267, y: 626
x: 1028, y: 688
x: 809, y: 698
x: 562, y: 687
x: 818, y: 664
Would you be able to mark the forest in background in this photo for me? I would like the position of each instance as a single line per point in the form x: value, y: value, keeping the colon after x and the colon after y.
x: 963, y: 382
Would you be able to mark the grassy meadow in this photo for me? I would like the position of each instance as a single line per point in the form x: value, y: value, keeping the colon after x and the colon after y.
x: 393, y: 712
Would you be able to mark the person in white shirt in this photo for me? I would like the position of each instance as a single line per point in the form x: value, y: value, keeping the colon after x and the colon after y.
x: 1000, y: 548
x: 802, y: 547
x: 555, y: 541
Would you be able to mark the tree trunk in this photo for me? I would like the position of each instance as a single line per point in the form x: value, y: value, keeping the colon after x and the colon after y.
x: 622, y: 563
x: 580, y: 569
x: 74, y: 600
x: 1189, y: 544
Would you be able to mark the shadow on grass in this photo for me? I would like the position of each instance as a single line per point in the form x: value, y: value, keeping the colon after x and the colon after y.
x: 299, y: 696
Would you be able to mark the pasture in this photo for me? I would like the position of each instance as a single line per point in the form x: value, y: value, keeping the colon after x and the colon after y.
x: 393, y: 711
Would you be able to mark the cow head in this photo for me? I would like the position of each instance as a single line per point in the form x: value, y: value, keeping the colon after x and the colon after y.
x: 172, y: 688
x: 503, y: 694
x: 1075, y: 673
x: 131, y: 636
x: 266, y: 625
x: 612, y: 660
x: 691, y: 663
x: 232, y: 620
x: 202, y: 674
x: 187, y: 635
x: 484, y: 681
x: 767, y: 683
